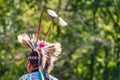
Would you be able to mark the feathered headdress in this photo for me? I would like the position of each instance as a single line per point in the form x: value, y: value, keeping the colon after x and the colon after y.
x: 47, y: 52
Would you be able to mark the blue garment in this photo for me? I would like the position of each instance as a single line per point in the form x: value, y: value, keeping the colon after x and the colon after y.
x: 36, y: 76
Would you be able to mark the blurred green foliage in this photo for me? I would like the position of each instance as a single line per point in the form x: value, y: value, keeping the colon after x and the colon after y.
x: 91, y: 42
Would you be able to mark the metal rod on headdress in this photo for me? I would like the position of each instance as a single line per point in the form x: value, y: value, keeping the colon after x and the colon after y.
x: 39, y: 26
x: 48, y: 31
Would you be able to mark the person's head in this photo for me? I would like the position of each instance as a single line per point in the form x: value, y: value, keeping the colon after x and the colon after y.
x: 32, y: 61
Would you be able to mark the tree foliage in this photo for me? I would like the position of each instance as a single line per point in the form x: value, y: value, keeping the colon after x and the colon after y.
x: 91, y: 41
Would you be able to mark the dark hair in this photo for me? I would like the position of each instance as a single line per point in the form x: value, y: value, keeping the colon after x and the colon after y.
x: 33, y: 58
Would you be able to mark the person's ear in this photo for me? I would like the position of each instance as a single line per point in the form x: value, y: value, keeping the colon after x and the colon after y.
x: 29, y: 65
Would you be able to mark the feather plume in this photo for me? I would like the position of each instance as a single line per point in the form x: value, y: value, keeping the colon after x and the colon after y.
x: 26, y: 40
x: 62, y: 22
x: 39, y: 27
x: 48, y: 32
x: 52, y: 51
x: 52, y: 13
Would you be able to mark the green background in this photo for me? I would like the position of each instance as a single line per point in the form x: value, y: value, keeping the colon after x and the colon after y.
x: 90, y: 43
